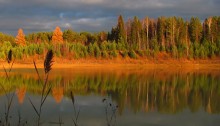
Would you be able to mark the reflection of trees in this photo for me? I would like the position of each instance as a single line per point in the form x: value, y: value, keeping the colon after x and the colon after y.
x: 57, y: 93
x: 148, y: 91
x: 20, y: 92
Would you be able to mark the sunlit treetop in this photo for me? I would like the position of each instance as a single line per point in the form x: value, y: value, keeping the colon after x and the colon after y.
x: 57, y: 36
x: 20, y: 38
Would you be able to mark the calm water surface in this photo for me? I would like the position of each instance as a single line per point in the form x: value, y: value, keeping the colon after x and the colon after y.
x: 145, y: 97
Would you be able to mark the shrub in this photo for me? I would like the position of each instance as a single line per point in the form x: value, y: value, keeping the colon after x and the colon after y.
x: 121, y: 46
x: 174, y: 51
x: 113, y: 54
x: 2, y: 55
x: 104, y: 45
x: 58, y: 53
x: 84, y: 49
x: 40, y: 50
x: 140, y: 53
x: 132, y: 54
x: 202, y: 52
x: 147, y: 52
x: 91, y: 50
x: 96, y: 50
x: 112, y: 46
x: 124, y: 54
x: 104, y: 54
x: 191, y: 52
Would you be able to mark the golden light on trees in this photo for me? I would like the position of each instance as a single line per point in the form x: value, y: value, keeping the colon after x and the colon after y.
x: 20, y: 38
x: 57, y: 36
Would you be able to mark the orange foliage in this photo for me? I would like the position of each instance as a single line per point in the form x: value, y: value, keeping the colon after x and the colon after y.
x: 20, y: 38
x: 57, y: 93
x: 57, y: 36
x: 21, y: 94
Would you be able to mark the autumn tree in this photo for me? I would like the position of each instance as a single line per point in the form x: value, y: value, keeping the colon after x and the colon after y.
x: 57, y: 36
x: 20, y: 38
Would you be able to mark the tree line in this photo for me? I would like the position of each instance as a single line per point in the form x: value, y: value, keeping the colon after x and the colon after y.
x: 171, y: 36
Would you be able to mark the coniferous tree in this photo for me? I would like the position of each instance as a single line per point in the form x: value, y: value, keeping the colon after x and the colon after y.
x: 121, y: 29
x: 195, y: 30
x: 20, y: 38
x: 57, y: 36
x: 207, y: 29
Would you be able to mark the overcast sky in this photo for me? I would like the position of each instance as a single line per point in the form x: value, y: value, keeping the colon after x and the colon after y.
x: 93, y: 15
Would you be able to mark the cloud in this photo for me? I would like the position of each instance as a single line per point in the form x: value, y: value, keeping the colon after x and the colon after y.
x: 93, y: 15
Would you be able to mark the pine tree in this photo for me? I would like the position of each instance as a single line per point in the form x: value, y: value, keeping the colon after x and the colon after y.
x: 214, y: 29
x: 57, y: 36
x: 121, y: 29
x: 20, y: 38
x: 195, y: 29
x: 207, y: 29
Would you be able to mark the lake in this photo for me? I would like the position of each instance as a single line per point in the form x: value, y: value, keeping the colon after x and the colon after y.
x: 134, y: 96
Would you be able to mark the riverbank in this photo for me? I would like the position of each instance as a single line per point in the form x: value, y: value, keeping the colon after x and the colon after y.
x: 148, y: 63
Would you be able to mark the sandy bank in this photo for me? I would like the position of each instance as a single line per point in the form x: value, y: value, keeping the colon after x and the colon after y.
x: 198, y: 64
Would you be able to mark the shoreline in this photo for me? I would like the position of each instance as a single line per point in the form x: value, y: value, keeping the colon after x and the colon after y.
x: 163, y: 64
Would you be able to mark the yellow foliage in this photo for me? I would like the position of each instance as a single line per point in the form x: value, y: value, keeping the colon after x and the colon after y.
x: 20, y: 92
x: 20, y: 38
x: 57, y: 36
x: 57, y: 93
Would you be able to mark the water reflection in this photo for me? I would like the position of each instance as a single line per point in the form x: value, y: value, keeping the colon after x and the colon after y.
x: 20, y: 92
x: 140, y: 90
x: 57, y: 93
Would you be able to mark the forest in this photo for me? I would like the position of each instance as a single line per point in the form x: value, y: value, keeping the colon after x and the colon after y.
x: 172, y: 37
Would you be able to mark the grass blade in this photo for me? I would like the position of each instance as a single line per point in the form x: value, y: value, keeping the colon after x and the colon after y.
x: 72, y: 97
x: 4, y: 91
x: 46, y: 96
x: 75, y: 124
x: 35, y: 66
x: 44, y: 87
x: 77, y: 116
x: 10, y: 103
x: 5, y: 71
x: 34, y: 107
x: 11, y: 66
x: 19, y: 118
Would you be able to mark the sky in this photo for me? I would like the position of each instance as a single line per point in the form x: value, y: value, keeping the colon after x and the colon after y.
x: 93, y: 15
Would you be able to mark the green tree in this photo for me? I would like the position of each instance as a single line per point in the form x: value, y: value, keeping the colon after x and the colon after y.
x: 135, y: 33
x: 195, y: 29
x: 161, y: 32
x: 121, y: 29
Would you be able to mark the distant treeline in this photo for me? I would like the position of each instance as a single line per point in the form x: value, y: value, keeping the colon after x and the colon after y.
x: 173, y: 36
